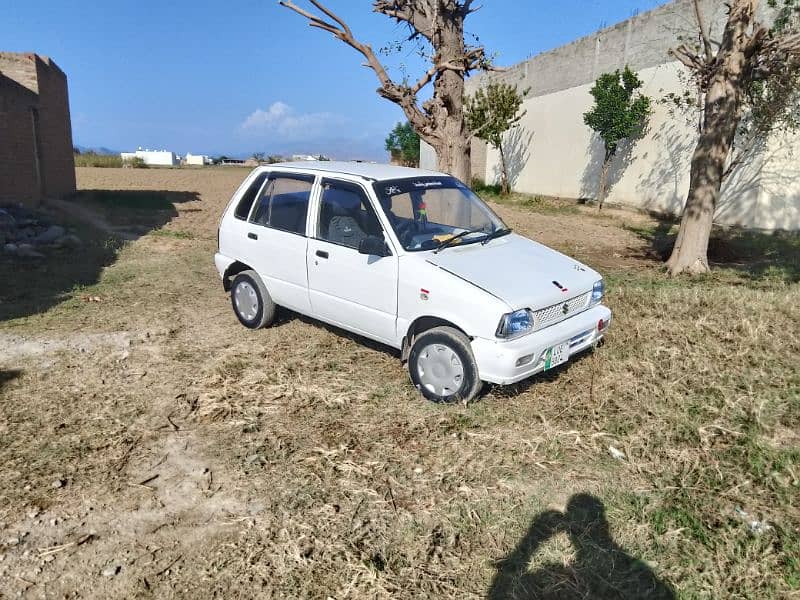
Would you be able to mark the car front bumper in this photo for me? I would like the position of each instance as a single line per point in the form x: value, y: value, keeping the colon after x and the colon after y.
x: 505, y: 362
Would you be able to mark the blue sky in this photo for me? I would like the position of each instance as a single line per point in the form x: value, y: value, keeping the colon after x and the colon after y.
x: 246, y: 76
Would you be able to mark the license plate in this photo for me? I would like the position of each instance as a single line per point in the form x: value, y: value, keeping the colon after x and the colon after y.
x: 557, y: 355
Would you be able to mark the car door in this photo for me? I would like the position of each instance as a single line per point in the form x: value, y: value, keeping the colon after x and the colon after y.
x: 353, y: 290
x: 276, y: 235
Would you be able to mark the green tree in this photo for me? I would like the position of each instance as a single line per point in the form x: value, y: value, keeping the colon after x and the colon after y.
x: 404, y: 142
x: 620, y: 113
x: 258, y: 156
x: 490, y: 113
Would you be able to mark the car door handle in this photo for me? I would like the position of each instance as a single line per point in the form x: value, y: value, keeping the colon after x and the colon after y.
x: 322, y: 254
x: 252, y: 236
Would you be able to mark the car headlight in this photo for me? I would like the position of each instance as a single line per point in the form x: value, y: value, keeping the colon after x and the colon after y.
x: 598, y: 291
x: 515, y: 324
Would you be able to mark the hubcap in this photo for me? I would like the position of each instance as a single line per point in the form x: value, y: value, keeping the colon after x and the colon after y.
x: 246, y: 300
x: 440, y: 370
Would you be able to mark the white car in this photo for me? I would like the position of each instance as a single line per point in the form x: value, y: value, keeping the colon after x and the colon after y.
x: 410, y: 258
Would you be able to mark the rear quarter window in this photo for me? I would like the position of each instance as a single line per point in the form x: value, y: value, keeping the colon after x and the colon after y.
x: 246, y: 202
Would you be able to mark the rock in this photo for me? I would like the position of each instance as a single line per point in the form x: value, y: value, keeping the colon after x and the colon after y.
x: 110, y: 570
x: 12, y: 541
x: 50, y: 235
x: 10, y: 248
x: 58, y: 483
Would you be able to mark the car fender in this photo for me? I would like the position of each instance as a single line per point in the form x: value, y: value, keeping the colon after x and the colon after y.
x: 425, y: 290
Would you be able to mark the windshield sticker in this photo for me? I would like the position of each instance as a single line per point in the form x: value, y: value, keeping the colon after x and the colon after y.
x: 426, y: 184
x: 392, y: 190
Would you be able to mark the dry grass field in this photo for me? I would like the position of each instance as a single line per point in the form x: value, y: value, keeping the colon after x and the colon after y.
x: 152, y: 447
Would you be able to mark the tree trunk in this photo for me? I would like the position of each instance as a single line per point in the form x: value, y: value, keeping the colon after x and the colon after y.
x: 446, y: 108
x: 453, y: 157
x: 602, y: 188
x: 723, y: 112
x: 504, y: 187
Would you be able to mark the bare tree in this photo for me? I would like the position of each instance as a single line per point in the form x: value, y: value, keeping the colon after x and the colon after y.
x: 749, y: 57
x: 440, y: 23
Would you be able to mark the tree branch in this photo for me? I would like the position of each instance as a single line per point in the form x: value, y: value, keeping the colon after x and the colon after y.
x: 689, y: 58
x: 416, y: 16
x: 402, y: 95
x: 701, y: 24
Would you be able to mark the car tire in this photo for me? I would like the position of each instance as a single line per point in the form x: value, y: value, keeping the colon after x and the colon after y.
x: 251, y: 301
x: 442, y: 366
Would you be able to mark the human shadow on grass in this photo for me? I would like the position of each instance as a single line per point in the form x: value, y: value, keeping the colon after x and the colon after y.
x: 103, y: 220
x: 600, y: 567
x: 754, y: 254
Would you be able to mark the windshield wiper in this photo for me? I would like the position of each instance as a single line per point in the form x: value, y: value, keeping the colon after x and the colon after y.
x: 495, y: 234
x: 444, y: 244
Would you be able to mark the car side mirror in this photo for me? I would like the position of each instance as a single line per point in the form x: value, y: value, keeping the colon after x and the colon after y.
x: 373, y: 246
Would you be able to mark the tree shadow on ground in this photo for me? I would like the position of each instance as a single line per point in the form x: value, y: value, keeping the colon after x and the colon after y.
x: 590, y: 180
x: 600, y: 568
x: 104, y: 220
x: 755, y: 255
x: 517, y: 144
x: 7, y: 375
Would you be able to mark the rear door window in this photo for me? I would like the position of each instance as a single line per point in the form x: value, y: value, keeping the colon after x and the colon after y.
x: 283, y: 203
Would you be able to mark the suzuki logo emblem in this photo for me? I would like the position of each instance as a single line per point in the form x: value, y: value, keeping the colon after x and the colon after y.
x: 565, y: 308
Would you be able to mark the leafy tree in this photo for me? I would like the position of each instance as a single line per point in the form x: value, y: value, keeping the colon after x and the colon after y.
x: 490, y: 113
x: 404, y: 141
x: 620, y: 113
x: 438, y: 27
x: 748, y: 82
x: 274, y: 158
x: 258, y: 156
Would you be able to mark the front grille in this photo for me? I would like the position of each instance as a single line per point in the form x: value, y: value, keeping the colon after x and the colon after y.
x: 545, y: 317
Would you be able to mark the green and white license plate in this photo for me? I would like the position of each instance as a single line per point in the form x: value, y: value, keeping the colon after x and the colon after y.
x: 557, y: 355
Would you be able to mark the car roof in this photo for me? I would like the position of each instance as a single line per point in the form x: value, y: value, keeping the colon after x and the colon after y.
x: 372, y: 171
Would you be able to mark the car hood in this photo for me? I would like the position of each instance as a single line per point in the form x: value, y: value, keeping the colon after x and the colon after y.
x: 519, y: 271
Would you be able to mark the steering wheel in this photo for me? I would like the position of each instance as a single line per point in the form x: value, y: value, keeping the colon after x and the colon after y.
x: 406, y: 230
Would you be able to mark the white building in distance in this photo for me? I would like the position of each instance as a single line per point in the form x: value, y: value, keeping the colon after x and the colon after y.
x: 159, y: 158
x: 197, y: 159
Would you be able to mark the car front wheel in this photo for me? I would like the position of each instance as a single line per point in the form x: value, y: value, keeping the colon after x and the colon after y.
x: 442, y: 367
x: 251, y: 302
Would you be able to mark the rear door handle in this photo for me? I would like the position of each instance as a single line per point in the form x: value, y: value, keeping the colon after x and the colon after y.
x: 322, y: 254
x: 252, y: 236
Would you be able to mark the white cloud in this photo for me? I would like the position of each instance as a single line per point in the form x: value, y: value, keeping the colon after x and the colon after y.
x: 282, y: 121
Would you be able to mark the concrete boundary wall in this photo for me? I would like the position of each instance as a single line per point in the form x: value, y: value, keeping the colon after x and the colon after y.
x: 554, y: 153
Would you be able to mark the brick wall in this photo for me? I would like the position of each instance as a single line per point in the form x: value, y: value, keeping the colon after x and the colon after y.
x: 35, y: 131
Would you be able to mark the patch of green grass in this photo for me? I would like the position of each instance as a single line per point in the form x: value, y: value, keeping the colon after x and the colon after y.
x: 172, y: 233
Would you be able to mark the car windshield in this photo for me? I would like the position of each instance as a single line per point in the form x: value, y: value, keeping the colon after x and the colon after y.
x: 427, y: 212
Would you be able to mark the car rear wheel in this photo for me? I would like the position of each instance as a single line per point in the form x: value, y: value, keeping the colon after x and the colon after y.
x: 442, y: 367
x: 251, y: 302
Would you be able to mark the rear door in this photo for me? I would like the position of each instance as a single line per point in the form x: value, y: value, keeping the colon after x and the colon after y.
x: 353, y: 290
x: 276, y: 238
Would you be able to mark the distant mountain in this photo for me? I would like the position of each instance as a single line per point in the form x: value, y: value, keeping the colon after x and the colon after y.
x: 98, y: 150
